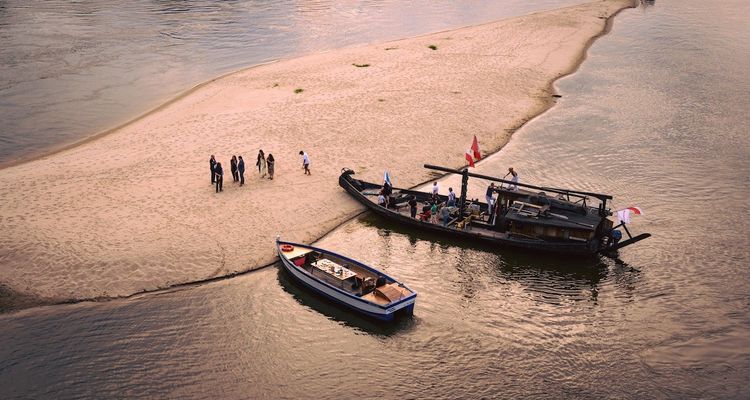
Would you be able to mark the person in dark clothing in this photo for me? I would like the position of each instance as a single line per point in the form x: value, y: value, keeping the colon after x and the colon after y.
x: 241, y: 170
x: 270, y: 163
x: 219, y: 172
x: 212, y: 162
x: 413, y: 206
x: 387, y: 189
x: 233, y: 168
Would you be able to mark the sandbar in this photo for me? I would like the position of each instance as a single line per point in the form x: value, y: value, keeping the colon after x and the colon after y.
x: 134, y: 210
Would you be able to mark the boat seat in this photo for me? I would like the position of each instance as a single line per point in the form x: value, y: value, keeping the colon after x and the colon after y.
x: 389, y: 292
x: 463, y: 224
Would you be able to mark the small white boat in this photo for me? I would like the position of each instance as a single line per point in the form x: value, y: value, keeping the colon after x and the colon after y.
x: 346, y: 281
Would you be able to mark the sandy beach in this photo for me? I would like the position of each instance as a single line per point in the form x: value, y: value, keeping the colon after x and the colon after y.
x: 134, y: 210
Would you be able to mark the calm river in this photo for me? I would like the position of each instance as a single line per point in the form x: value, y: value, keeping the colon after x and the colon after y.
x: 657, y: 116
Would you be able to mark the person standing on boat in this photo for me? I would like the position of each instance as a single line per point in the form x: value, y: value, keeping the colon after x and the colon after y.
x: 219, y: 172
x: 261, y: 163
x: 488, y: 195
x: 413, y: 206
x: 451, y: 197
x: 212, y: 163
x: 514, y: 179
x: 241, y: 171
x: 305, y: 162
x: 434, y: 213
x: 233, y: 168
x: 445, y: 214
x: 270, y: 162
x: 435, y: 191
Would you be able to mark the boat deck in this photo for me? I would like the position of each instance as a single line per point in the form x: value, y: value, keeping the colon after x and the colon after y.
x: 473, y: 224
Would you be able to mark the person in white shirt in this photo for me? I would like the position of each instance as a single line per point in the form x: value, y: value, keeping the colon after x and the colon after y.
x: 451, y: 197
x: 435, y: 190
x: 381, y: 200
x: 305, y: 162
x: 513, y: 179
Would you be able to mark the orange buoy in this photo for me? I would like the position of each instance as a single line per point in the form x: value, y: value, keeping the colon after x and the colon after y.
x: 287, y: 248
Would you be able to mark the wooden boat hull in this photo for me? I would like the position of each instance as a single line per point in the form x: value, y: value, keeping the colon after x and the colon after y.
x: 353, y: 187
x: 342, y: 297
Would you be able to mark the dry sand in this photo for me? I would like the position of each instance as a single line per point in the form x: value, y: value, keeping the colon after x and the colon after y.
x: 134, y: 210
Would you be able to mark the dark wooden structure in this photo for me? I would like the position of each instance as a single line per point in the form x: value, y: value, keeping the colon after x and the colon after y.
x: 522, y: 215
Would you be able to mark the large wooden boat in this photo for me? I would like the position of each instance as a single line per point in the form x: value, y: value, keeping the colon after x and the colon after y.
x: 522, y: 216
x: 346, y: 281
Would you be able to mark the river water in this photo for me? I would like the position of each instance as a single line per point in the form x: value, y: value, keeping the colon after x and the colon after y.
x: 70, y: 70
x: 656, y: 116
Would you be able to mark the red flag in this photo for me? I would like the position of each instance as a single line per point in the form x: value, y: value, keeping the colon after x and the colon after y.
x: 469, y: 158
x: 475, y: 149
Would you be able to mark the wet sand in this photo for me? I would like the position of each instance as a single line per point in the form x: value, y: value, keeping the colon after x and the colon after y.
x: 134, y: 210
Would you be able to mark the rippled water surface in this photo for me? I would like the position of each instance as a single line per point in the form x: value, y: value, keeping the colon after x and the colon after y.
x: 71, y: 69
x: 656, y: 116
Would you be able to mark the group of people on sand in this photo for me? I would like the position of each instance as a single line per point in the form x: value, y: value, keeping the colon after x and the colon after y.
x: 265, y: 164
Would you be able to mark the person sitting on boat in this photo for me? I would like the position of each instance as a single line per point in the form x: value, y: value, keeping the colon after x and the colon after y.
x: 425, y: 215
x: 445, y: 214
x: 382, y: 200
x: 434, y: 213
x: 451, y: 197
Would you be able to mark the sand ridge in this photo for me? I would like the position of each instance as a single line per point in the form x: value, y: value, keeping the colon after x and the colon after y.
x: 134, y: 210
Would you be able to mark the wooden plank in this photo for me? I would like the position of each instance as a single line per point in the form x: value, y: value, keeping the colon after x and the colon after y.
x: 297, y: 252
x: 390, y: 292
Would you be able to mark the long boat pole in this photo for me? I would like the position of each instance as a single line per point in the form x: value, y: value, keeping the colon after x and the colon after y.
x: 492, y: 178
x: 577, y: 193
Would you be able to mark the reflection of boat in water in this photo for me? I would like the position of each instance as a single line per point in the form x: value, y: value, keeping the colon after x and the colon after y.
x: 522, y: 216
x: 346, y: 281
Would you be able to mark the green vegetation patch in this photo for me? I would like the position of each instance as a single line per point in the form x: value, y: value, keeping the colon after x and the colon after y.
x: 432, y: 46
x: 299, y: 90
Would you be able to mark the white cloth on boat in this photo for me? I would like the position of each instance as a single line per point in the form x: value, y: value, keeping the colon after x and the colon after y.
x: 624, y: 216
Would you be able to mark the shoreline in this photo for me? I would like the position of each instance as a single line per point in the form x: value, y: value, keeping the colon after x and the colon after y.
x: 541, y: 100
x: 100, y: 134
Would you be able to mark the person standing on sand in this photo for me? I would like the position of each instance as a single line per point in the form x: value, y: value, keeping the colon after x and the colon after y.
x: 233, y: 168
x: 219, y: 172
x: 305, y: 162
x: 241, y: 170
x: 212, y: 163
x: 270, y: 161
x: 261, y: 163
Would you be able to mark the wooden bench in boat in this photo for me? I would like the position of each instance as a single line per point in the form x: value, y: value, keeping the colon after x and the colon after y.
x: 387, y: 294
x: 297, y: 252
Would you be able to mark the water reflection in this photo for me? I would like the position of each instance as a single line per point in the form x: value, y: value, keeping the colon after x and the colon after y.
x: 474, y: 268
